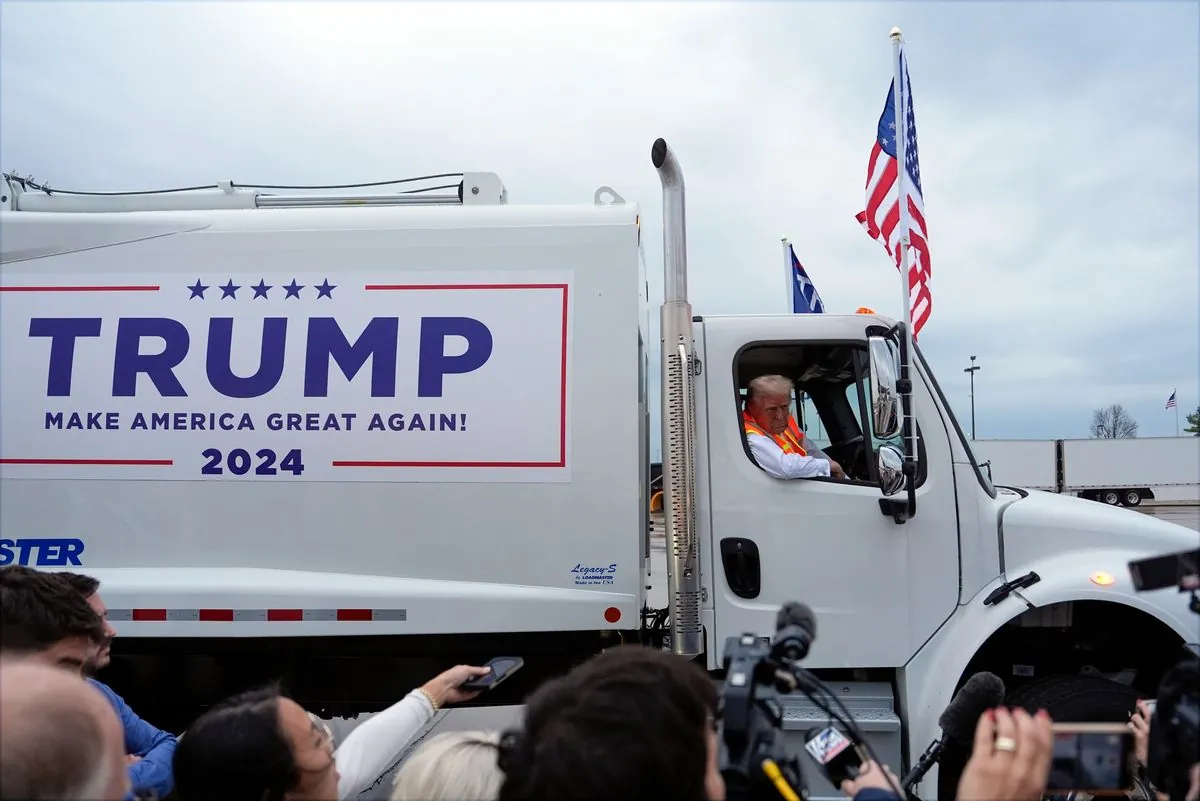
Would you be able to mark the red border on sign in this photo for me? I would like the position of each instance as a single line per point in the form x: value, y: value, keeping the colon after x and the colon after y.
x: 90, y: 462
x: 79, y: 288
x: 101, y: 462
x: 562, y: 400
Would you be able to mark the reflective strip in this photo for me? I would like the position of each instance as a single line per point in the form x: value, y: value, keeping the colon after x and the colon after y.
x: 258, y: 615
x: 788, y: 442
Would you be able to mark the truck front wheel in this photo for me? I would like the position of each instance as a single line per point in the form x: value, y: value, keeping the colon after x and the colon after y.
x: 1077, y: 699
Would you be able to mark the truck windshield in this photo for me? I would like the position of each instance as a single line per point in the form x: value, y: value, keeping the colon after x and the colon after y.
x: 980, y: 474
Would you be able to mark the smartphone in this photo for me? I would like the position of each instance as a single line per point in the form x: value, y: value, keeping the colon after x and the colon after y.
x: 500, y: 669
x: 1158, y: 572
x: 1095, y: 758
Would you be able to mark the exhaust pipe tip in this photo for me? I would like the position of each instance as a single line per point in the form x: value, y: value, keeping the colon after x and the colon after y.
x: 658, y: 153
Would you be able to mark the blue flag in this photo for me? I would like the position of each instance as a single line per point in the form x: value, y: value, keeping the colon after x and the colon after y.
x: 805, y: 299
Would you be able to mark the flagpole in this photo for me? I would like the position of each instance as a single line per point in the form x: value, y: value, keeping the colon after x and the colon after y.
x: 900, y: 97
x: 791, y: 279
x: 1175, y: 395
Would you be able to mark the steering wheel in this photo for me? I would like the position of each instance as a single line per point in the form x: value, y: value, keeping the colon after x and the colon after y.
x: 851, y: 454
x: 846, y: 443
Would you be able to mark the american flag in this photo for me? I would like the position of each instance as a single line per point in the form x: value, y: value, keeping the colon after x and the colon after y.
x: 1171, y: 400
x: 881, y: 219
x: 805, y: 299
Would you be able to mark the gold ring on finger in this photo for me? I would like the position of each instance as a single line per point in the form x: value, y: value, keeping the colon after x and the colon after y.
x: 1007, y: 744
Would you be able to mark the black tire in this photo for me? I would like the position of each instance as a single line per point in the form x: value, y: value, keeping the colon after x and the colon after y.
x: 1077, y: 699
x: 1131, y: 497
x: 1110, y: 497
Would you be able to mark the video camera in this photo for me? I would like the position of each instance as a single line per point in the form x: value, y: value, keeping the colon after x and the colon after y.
x: 1175, y: 724
x: 753, y: 759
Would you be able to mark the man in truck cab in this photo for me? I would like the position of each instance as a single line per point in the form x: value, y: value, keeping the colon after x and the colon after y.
x: 776, y: 442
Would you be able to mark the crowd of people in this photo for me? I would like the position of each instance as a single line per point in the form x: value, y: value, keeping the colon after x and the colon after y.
x: 632, y: 722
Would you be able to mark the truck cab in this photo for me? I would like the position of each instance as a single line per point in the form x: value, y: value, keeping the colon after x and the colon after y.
x: 921, y: 572
x: 913, y: 594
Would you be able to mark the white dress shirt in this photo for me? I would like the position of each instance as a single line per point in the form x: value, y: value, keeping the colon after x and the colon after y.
x: 772, y: 459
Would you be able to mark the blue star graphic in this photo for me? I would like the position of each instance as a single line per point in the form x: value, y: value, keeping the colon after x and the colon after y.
x: 229, y: 290
x: 325, y: 290
x: 260, y: 291
x: 197, y: 290
x: 292, y: 289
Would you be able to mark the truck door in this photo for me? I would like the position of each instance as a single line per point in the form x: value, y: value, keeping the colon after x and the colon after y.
x: 879, y: 589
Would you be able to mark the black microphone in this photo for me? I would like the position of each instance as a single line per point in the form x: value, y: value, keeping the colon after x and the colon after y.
x: 795, y: 631
x: 958, y: 722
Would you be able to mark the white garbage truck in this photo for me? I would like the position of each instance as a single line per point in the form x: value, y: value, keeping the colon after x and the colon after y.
x: 348, y: 440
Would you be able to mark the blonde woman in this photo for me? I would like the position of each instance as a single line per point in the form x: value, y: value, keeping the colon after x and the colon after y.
x: 455, y: 766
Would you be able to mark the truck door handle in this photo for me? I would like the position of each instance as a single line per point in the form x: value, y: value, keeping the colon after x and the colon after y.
x: 743, y: 567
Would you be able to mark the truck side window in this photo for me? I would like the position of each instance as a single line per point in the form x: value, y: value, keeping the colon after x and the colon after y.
x: 831, y: 394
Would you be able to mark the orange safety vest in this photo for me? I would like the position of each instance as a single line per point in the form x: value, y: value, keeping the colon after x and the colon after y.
x: 789, y: 441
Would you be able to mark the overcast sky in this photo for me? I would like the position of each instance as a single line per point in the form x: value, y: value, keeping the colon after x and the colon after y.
x: 1058, y: 147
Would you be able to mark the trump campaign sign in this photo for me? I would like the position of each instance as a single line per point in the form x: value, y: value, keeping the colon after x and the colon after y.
x: 283, y: 376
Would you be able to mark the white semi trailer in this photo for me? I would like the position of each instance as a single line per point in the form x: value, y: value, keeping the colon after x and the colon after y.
x: 351, y: 440
x: 1121, y: 472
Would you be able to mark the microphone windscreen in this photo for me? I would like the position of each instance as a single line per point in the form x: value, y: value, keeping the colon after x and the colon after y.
x: 794, y: 613
x: 982, y: 692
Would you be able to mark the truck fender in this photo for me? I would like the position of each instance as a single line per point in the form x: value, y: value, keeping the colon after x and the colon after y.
x: 929, y: 679
x: 1069, y: 577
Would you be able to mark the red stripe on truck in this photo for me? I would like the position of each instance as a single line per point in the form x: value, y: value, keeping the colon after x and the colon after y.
x: 216, y: 615
x: 355, y: 614
x: 285, y: 615
x: 149, y: 614
x: 258, y: 615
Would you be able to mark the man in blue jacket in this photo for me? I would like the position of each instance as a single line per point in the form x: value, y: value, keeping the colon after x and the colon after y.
x: 150, y: 749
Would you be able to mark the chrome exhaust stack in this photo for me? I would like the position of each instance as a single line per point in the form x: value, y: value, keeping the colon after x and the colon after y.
x: 678, y: 424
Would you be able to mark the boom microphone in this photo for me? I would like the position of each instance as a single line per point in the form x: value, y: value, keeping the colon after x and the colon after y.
x: 958, y: 722
x: 795, y: 631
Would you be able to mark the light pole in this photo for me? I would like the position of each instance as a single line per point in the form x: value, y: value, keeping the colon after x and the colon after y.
x: 972, y: 370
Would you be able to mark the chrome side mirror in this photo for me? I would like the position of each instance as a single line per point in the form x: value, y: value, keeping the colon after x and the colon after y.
x: 885, y: 400
x: 891, y: 470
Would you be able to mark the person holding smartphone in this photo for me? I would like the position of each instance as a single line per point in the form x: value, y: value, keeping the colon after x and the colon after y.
x: 261, y: 744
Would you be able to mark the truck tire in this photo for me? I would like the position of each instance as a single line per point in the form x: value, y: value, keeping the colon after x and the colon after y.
x: 1110, y: 497
x: 1077, y: 699
x: 1132, y: 498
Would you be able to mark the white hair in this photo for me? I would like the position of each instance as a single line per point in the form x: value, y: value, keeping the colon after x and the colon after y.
x: 46, y: 711
x: 454, y: 766
x: 770, y: 385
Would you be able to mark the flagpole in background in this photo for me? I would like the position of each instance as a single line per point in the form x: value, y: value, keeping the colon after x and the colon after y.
x: 901, y: 100
x: 788, y: 276
x: 1173, y: 394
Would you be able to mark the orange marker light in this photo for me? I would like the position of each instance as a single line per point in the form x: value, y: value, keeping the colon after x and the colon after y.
x: 864, y: 310
x: 1102, y: 579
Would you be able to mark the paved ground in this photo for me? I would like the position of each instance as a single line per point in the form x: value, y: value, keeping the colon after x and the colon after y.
x: 1183, y: 515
